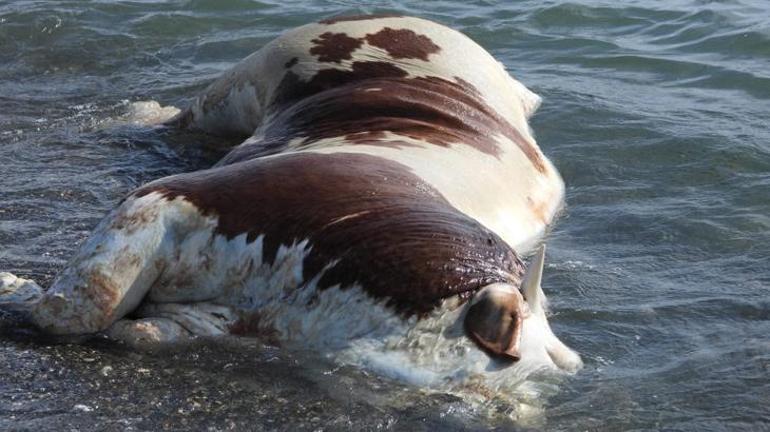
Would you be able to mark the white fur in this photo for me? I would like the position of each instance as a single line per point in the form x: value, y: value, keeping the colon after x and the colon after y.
x: 349, y: 326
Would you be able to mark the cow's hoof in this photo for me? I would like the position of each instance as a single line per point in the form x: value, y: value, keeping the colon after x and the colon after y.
x: 17, y: 293
x: 148, y: 333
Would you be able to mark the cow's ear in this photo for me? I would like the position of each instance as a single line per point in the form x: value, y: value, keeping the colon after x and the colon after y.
x: 530, y: 101
x: 494, y: 320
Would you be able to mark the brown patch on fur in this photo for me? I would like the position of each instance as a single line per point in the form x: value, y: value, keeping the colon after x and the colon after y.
x: 337, y: 19
x: 403, y: 43
x: 131, y: 221
x: 375, y: 98
x: 126, y: 259
x: 104, y: 295
x: 292, y: 89
x: 334, y: 47
x: 539, y: 209
x: 406, y: 243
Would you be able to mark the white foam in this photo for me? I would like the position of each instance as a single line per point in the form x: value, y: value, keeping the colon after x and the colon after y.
x: 148, y: 113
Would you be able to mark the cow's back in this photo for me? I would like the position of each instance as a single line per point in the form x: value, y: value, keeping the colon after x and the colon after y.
x: 405, y: 89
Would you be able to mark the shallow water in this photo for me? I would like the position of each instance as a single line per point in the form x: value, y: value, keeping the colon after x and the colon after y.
x: 656, y: 114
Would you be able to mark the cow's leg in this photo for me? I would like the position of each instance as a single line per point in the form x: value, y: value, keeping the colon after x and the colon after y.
x: 232, y: 106
x: 157, y: 323
x: 17, y: 293
x: 147, y: 332
x: 109, y: 276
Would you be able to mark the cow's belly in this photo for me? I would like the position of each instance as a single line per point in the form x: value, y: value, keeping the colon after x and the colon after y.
x: 270, y: 299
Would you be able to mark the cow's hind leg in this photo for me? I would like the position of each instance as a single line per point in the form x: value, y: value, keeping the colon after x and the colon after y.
x: 158, y: 323
x: 109, y: 275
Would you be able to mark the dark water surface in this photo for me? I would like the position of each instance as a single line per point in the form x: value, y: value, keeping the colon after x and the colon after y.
x: 656, y: 114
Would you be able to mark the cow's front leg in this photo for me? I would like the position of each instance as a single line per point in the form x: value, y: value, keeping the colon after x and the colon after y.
x: 111, y: 273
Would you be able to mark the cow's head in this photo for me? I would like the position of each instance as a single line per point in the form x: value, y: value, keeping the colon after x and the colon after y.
x: 510, y: 322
